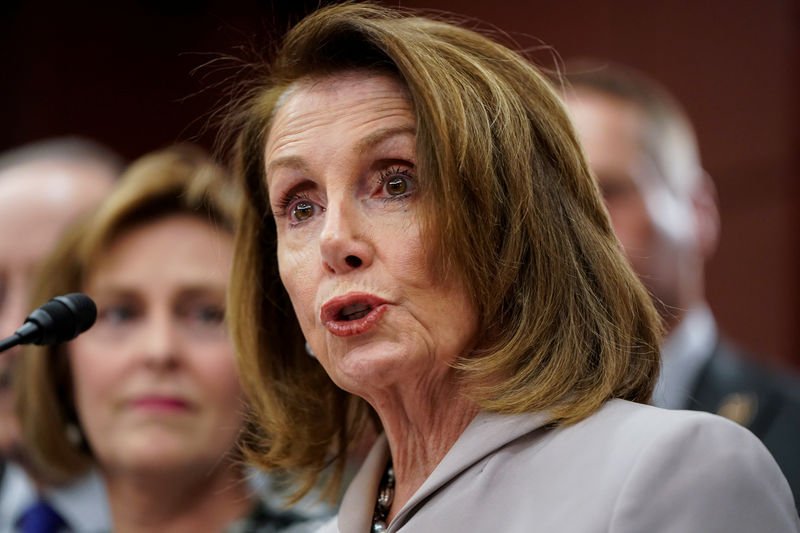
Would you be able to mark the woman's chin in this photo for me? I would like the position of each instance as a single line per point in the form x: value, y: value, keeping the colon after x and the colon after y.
x: 152, y: 451
x: 362, y: 370
x: 164, y: 461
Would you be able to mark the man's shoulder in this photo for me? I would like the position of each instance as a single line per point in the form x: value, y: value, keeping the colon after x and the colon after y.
x: 735, y: 385
x: 764, y: 400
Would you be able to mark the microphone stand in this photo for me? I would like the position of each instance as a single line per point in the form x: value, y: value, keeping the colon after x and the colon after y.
x: 9, y: 342
x: 22, y: 334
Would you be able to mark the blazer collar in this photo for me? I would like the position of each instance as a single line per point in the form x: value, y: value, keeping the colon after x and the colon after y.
x: 486, y: 433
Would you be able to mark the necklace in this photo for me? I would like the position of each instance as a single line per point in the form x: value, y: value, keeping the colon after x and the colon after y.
x: 384, y: 501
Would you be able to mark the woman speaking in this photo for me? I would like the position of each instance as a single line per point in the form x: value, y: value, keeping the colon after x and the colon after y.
x: 445, y: 255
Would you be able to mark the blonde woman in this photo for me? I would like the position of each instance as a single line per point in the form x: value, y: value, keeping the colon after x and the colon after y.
x: 149, y: 396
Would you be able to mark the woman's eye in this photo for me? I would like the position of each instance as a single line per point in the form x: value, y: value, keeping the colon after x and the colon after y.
x: 302, y: 210
x: 202, y: 318
x: 209, y: 314
x: 396, y: 186
x: 396, y: 183
x: 117, y: 314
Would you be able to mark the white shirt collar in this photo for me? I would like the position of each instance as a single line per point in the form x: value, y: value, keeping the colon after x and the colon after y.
x: 683, y: 355
x: 82, y: 504
x: 16, y: 494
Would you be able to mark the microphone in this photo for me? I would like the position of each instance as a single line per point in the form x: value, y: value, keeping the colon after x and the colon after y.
x: 61, y: 319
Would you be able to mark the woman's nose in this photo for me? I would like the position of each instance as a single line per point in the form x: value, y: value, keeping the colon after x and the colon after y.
x: 344, y: 245
x: 160, y: 344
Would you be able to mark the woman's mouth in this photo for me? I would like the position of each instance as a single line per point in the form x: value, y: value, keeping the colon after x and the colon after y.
x: 353, y: 313
x: 160, y: 403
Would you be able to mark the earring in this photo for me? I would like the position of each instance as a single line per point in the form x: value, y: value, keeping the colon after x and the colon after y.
x: 309, y: 352
x: 74, y: 434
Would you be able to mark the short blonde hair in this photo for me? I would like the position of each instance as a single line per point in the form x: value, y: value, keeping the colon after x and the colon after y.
x: 181, y: 179
x: 565, y: 324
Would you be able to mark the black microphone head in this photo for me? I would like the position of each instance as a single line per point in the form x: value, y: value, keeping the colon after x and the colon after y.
x: 63, y: 318
x: 84, y: 309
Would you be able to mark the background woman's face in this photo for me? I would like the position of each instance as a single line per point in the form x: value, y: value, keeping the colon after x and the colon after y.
x: 344, y: 188
x: 155, y: 381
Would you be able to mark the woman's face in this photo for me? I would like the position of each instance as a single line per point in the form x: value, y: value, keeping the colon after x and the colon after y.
x: 344, y: 188
x: 155, y: 381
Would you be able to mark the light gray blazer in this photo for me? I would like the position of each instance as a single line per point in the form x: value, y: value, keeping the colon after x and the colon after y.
x: 629, y: 468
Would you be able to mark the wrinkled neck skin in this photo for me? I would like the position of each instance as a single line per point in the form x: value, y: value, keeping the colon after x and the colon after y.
x: 422, y: 423
x: 189, y: 501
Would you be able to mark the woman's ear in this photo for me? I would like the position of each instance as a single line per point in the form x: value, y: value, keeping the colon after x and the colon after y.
x: 704, y: 203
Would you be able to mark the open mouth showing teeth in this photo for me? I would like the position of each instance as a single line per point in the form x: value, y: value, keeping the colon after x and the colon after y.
x: 354, y: 312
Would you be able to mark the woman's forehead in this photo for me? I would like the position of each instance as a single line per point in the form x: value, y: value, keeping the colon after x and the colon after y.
x: 349, y: 84
x: 351, y: 100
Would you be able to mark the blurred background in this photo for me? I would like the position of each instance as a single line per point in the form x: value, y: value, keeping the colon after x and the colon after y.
x: 139, y: 75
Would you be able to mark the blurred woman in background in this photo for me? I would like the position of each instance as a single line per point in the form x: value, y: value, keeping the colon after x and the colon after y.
x: 150, y: 394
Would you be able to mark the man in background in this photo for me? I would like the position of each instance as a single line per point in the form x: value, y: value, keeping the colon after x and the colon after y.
x: 43, y: 187
x: 643, y: 151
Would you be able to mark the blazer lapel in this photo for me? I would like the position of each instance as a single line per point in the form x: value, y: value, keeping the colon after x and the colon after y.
x: 485, y: 434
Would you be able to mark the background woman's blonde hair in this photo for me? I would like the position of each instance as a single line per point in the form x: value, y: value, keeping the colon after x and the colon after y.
x: 181, y: 179
x: 511, y: 208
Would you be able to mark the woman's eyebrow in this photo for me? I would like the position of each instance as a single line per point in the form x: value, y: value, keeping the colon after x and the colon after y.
x: 381, y: 135
x: 289, y: 161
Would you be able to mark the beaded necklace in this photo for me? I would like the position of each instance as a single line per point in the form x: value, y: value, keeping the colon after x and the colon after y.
x: 384, y: 501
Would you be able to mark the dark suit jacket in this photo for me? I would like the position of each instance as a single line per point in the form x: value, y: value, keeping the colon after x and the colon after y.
x: 766, y: 402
